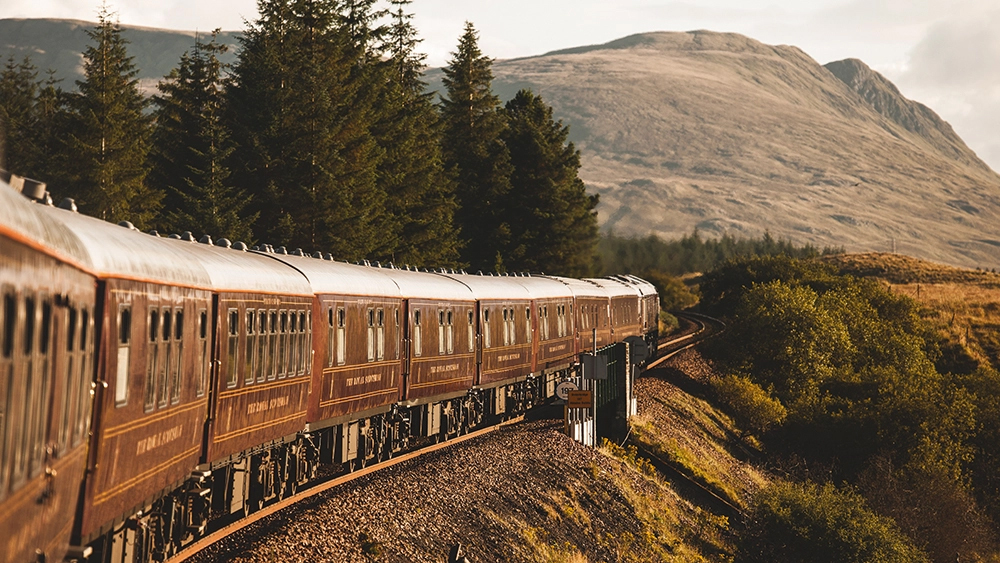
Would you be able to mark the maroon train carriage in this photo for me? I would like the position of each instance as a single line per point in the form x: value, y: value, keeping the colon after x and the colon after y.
x: 555, y: 346
x: 625, y: 308
x: 47, y: 300
x: 152, y: 382
x: 440, y: 333
x: 358, y: 361
x: 593, y: 306
x: 649, y: 306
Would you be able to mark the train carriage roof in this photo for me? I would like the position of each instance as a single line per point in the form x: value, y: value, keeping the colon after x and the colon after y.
x: 32, y: 223
x: 615, y: 288
x: 120, y: 252
x: 341, y: 278
x: 541, y: 287
x: 582, y: 288
x: 426, y: 285
x: 645, y: 288
x: 492, y: 287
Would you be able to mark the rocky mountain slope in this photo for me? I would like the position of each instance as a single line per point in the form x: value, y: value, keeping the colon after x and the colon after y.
x: 722, y: 133
x: 714, y: 131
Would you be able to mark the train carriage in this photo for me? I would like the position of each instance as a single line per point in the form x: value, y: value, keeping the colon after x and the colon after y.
x: 649, y: 304
x: 151, y: 393
x: 593, y: 309
x: 552, y: 304
x: 624, y: 307
x: 47, y: 297
x: 357, y: 352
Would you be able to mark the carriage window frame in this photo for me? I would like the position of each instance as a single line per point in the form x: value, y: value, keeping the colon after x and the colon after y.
x: 177, y: 377
x: 152, y: 359
x: 202, y: 353
x: 250, y: 345
x: 232, y: 347
x: 417, y: 336
x: 341, y: 336
x: 472, y: 331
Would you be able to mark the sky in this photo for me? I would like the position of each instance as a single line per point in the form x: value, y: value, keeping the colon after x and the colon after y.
x: 942, y: 53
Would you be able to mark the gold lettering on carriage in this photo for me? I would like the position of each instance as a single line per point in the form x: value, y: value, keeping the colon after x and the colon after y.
x: 444, y: 369
x: 161, y: 438
x: 363, y: 379
x: 558, y: 348
x: 509, y: 357
x: 266, y: 405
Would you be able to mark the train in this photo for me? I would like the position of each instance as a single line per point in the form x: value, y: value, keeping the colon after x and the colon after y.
x: 154, y: 387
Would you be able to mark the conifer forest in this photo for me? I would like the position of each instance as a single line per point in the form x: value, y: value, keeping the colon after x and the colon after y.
x: 321, y: 136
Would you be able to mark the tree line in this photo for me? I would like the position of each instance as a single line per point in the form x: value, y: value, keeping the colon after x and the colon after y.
x: 320, y: 136
x: 893, y: 447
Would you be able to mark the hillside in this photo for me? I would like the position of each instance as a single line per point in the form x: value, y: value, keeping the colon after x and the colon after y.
x: 714, y: 131
x: 723, y: 133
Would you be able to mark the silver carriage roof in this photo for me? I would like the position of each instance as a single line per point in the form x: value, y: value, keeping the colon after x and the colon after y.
x: 341, y: 278
x: 582, y: 288
x: 31, y: 222
x: 123, y: 252
x: 615, y: 288
x: 645, y: 288
x: 492, y: 287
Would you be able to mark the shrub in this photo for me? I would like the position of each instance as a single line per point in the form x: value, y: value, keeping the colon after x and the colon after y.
x: 821, y: 524
x: 754, y: 409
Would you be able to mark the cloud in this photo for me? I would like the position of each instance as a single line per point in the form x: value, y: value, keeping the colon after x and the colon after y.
x: 955, y: 69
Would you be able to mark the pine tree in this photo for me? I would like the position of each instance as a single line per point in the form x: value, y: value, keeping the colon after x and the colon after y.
x: 18, y: 93
x: 191, y: 145
x: 555, y: 228
x: 302, y: 122
x: 109, y: 135
x: 412, y: 174
x: 473, y: 147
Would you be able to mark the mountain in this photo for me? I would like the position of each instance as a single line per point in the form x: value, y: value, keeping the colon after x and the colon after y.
x: 59, y: 44
x: 714, y: 131
x: 722, y: 133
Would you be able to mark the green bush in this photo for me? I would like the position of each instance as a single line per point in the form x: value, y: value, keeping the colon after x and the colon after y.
x: 820, y: 524
x: 754, y: 409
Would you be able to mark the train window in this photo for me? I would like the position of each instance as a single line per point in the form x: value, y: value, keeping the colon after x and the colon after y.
x: 178, y: 365
x: 380, y: 334
x: 330, y: 334
x: 152, y: 355
x: 283, y: 348
x: 527, y: 324
x: 65, y: 425
x: 166, y: 367
x: 261, y: 344
x: 82, y: 395
x: 417, y: 342
x: 371, y: 335
x: 21, y: 415
x: 202, y: 352
x: 472, y: 331
x: 450, y: 336
x: 41, y: 407
x: 296, y: 343
x: 486, y: 328
x: 6, y: 386
x: 233, y: 327
x: 250, y: 347
x: 341, y: 336
x: 272, y: 346
x: 545, y: 323
x: 122, y: 368
x: 395, y: 314
x: 305, y: 344
x: 506, y: 329
x: 440, y: 331
x: 10, y: 314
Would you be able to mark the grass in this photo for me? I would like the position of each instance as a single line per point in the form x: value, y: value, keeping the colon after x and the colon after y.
x: 961, y: 305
